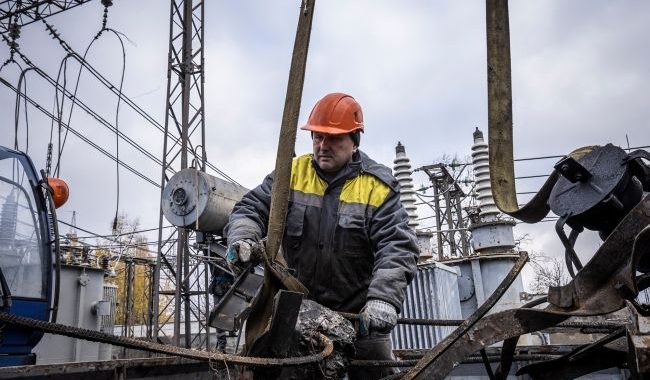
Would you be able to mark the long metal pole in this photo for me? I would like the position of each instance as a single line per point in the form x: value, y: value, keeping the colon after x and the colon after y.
x: 183, y: 257
x: 460, y: 226
x: 155, y: 288
x: 436, y: 202
x: 499, y: 80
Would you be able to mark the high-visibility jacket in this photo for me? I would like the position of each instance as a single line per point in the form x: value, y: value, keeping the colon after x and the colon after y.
x: 347, y: 240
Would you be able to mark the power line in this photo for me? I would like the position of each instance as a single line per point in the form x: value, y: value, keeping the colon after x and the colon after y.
x: 532, y: 176
x: 101, y: 236
x: 120, y: 95
x: 564, y: 155
x: 130, y: 233
x: 81, y: 136
x: 88, y: 110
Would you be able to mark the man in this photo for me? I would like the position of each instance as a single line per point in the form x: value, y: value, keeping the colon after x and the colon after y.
x: 346, y: 232
x: 219, y: 286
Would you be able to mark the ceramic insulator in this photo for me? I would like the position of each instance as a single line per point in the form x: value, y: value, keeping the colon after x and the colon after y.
x: 480, y: 159
x: 402, y: 172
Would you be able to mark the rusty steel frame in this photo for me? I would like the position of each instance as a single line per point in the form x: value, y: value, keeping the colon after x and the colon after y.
x: 601, y: 287
x: 181, y: 281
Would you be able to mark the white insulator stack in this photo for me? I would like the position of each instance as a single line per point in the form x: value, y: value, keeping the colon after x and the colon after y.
x: 402, y: 172
x: 491, y: 233
x: 480, y: 159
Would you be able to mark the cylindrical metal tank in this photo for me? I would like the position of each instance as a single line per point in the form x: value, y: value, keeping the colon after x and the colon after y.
x: 479, y: 278
x: 199, y: 201
x: 496, y: 236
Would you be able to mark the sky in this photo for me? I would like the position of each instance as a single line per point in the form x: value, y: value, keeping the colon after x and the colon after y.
x: 580, y: 75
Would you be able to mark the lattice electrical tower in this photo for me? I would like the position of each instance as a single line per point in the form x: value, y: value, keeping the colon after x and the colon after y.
x: 451, y: 235
x: 180, y: 294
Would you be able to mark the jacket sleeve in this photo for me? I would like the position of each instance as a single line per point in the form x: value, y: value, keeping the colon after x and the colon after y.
x: 396, y: 252
x: 250, y: 216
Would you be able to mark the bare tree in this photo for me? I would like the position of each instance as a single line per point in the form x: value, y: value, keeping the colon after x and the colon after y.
x: 549, y: 271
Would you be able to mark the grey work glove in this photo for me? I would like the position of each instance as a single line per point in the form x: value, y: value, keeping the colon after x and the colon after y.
x: 240, y: 251
x: 243, y: 252
x: 377, y: 315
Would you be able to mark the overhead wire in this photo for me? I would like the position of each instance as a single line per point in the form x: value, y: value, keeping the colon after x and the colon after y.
x: 21, y: 82
x: 134, y: 232
x: 83, y: 106
x: 563, y: 155
x: 99, y: 236
x: 118, y: 35
x: 175, y: 140
x: 83, y: 138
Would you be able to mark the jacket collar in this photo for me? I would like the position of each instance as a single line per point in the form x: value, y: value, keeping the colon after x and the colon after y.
x: 360, y: 164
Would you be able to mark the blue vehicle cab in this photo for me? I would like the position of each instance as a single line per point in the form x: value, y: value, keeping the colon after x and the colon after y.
x: 27, y: 254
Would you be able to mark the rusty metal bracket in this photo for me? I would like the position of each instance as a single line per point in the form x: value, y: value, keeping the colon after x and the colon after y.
x: 609, y: 277
x: 276, y: 341
x: 566, y: 368
x: 638, y: 339
x: 489, y: 330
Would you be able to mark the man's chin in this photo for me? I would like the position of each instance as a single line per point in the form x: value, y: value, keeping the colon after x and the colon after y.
x: 326, y: 166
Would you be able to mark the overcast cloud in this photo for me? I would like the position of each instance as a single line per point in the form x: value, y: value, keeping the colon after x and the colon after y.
x: 581, y: 74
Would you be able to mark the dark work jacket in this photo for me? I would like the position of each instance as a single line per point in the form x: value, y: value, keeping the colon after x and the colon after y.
x: 348, y: 240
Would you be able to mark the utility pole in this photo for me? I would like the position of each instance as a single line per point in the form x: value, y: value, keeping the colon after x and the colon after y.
x: 179, y: 293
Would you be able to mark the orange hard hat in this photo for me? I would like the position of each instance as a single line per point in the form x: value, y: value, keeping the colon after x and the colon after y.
x: 60, y: 191
x: 336, y: 113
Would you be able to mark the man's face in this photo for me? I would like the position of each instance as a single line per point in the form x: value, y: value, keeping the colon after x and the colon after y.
x: 332, y: 152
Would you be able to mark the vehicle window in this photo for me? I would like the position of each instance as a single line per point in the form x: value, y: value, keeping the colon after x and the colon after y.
x: 21, y: 249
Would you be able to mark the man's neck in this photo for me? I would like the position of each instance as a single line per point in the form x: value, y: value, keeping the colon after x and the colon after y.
x: 331, y: 176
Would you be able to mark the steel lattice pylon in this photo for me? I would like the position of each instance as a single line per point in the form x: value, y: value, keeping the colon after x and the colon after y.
x: 27, y: 11
x: 179, y: 292
x: 451, y: 235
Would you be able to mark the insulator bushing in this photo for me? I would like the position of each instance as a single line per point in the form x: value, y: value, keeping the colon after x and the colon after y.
x: 480, y: 159
x: 490, y: 233
x: 9, y: 219
x: 402, y: 172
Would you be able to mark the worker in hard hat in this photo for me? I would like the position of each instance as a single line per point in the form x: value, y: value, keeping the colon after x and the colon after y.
x: 346, y: 236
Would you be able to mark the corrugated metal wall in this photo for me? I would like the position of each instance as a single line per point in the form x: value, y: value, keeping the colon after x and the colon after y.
x: 433, y: 294
x: 108, y: 321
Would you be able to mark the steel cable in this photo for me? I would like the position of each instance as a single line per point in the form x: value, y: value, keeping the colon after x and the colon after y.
x: 97, y: 336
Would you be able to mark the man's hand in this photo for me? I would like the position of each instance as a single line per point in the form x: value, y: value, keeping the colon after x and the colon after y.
x: 244, y: 251
x: 378, y: 316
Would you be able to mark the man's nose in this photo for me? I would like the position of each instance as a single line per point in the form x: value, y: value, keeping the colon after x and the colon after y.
x: 324, y: 144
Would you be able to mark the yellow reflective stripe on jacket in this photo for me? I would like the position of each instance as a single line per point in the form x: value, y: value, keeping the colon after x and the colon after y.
x: 365, y: 189
x: 304, y: 177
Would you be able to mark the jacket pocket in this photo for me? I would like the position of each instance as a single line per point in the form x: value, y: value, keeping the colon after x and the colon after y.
x: 353, y: 236
x: 295, y: 223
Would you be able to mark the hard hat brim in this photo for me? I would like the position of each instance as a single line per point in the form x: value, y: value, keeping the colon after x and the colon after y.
x: 329, y: 129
